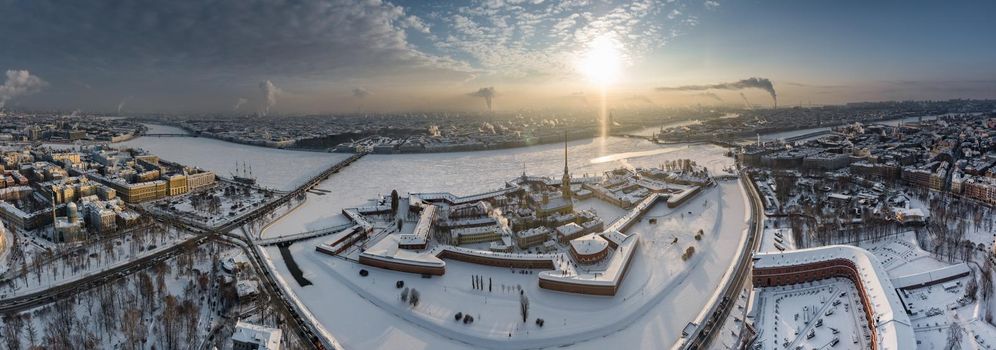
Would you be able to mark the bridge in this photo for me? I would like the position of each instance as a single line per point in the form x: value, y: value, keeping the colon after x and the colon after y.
x: 169, y: 135
x: 286, y: 197
x: 288, y: 239
x: 810, y: 135
x: 307, y: 328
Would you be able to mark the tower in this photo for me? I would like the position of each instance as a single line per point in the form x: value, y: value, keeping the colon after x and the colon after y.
x: 53, y: 211
x: 524, y: 178
x: 565, y: 182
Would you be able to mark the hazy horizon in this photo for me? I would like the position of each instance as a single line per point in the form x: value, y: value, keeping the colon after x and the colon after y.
x: 316, y: 57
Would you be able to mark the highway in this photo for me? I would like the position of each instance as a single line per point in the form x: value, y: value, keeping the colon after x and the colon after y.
x: 712, y: 323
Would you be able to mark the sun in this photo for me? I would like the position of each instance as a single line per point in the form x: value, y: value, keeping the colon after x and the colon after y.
x: 601, y: 64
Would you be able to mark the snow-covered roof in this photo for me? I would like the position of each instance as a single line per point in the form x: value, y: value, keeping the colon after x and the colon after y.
x: 924, y: 278
x: 893, y: 324
x: 612, y: 274
x: 569, y: 229
x: 589, y: 244
x: 387, y: 250
x: 265, y: 338
x: 421, y: 233
x: 535, y: 231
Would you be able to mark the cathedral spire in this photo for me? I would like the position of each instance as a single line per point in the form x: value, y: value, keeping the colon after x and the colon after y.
x: 565, y: 182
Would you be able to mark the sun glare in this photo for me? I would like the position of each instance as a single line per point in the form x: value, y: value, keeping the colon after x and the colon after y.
x: 602, y: 63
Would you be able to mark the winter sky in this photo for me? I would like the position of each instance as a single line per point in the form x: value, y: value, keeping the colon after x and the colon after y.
x: 313, y: 56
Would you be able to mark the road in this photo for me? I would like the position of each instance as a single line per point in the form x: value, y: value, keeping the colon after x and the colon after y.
x: 24, y: 302
x: 712, y: 324
x: 307, y: 330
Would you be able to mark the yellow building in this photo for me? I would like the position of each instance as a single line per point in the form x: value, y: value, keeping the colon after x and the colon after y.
x: 176, y: 185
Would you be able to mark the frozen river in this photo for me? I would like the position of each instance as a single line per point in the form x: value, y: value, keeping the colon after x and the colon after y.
x: 467, y: 173
x: 273, y: 168
x: 656, y: 318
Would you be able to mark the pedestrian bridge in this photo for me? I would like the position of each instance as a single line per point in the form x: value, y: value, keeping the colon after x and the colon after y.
x: 288, y: 239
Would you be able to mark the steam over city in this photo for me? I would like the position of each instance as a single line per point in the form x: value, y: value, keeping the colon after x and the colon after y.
x: 497, y: 174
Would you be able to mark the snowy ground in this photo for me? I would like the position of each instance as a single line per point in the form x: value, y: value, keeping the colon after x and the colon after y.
x: 643, y: 319
x: 136, y: 304
x: 660, y: 291
x: 466, y: 173
x: 782, y: 235
x: 934, y: 308
x: 89, y: 259
x: 229, y: 207
x: 900, y: 256
x: 789, y: 314
x: 6, y: 243
x: 273, y: 168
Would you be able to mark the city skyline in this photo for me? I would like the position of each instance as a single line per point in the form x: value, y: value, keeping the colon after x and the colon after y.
x: 341, y: 57
x: 497, y: 174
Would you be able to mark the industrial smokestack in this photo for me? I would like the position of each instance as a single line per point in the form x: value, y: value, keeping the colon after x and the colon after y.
x: 488, y: 93
x: 749, y: 83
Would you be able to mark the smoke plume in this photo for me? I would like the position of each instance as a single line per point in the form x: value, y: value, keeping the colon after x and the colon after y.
x: 238, y: 103
x: 121, y: 105
x: 711, y: 95
x: 19, y: 83
x: 488, y: 93
x: 749, y: 83
x: 641, y: 98
x: 360, y: 92
x: 269, y: 94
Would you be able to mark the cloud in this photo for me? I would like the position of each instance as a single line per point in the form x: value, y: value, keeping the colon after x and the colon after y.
x: 360, y: 92
x: 268, y: 94
x: 159, y: 47
x: 19, y: 83
x: 119, y: 46
x: 488, y: 93
x: 749, y: 83
x: 513, y: 40
x: 238, y: 103
x: 711, y: 5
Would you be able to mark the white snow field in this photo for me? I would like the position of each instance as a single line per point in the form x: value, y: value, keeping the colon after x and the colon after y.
x: 792, y: 315
x: 466, y: 173
x: 659, y: 295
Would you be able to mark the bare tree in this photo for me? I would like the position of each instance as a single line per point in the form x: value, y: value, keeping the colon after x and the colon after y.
x: 413, y: 297
x: 12, y: 331
x: 954, y: 337
x: 524, y: 306
x: 133, y: 328
x: 30, y: 330
x: 170, y: 321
